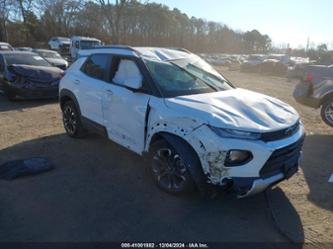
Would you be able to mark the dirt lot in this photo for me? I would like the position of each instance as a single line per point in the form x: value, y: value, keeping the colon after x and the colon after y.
x: 102, y: 192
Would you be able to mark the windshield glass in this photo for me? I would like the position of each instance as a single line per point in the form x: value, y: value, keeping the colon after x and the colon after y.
x: 89, y: 44
x: 47, y: 54
x: 26, y: 59
x: 186, y: 77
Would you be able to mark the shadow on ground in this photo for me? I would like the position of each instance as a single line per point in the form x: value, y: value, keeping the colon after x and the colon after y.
x: 318, y: 167
x: 102, y: 192
x: 19, y: 104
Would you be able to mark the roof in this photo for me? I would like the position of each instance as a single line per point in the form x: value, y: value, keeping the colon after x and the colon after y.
x: 162, y: 54
x: 155, y: 53
x: 4, y: 43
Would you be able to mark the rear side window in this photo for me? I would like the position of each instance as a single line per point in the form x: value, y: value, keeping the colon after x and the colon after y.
x: 96, y: 66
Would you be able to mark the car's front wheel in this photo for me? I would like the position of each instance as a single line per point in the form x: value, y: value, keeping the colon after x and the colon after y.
x: 169, y: 170
x: 327, y: 112
x: 72, y: 120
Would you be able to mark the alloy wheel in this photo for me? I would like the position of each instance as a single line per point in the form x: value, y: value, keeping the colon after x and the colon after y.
x: 70, y: 119
x: 169, y: 170
x: 329, y: 113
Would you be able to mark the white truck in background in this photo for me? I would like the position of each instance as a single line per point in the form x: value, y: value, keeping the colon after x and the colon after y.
x: 60, y: 44
x: 79, y: 42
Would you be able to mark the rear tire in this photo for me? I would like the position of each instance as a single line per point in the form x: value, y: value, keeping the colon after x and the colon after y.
x: 168, y: 169
x: 72, y: 120
x: 327, y: 112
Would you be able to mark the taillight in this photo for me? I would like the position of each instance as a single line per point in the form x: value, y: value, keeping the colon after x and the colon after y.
x: 308, y: 77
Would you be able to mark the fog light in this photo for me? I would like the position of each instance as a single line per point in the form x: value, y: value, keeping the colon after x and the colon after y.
x: 237, y: 157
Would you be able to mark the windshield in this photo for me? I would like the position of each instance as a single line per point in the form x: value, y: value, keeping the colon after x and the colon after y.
x: 47, y: 54
x: 186, y: 77
x: 26, y: 59
x: 89, y: 44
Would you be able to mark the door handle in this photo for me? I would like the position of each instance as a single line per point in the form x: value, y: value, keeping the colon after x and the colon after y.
x: 76, y: 82
x: 109, y: 92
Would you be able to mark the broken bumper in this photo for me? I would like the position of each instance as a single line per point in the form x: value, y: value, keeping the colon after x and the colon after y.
x: 272, y: 161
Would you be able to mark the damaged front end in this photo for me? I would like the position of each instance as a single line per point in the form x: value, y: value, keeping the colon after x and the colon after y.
x: 32, y: 82
x: 261, y: 164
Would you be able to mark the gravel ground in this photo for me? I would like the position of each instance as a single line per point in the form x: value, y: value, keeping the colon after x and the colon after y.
x: 102, y: 192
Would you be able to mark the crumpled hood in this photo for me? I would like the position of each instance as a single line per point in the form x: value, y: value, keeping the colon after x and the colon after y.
x: 236, y: 109
x: 37, y: 74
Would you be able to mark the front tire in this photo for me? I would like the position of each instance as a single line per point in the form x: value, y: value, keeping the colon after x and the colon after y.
x: 169, y: 170
x: 72, y: 120
x: 327, y: 112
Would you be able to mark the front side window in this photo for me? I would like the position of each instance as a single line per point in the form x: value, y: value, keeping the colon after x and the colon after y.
x: 186, y: 77
x: 26, y: 59
x: 96, y: 66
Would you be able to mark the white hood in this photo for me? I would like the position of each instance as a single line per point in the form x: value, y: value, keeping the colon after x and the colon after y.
x: 236, y: 109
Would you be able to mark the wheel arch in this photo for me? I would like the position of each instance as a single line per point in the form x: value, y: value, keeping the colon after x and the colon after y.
x: 66, y: 95
x: 190, y: 155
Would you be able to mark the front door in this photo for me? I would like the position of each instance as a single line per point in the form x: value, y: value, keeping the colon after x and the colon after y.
x: 124, y: 109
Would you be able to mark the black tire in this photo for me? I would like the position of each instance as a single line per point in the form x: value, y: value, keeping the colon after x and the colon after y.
x: 327, y: 112
x: 168, y: 169
x: 72, y: 120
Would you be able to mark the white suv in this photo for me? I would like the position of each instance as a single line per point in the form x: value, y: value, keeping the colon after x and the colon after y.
x: 197, y: 129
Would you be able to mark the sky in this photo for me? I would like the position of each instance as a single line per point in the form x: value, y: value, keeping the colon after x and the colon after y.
x: 285, y: 21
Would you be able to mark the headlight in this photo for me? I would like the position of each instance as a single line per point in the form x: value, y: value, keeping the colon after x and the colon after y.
x: 231, y: 133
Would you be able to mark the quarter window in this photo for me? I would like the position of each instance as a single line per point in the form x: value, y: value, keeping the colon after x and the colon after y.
x: 96, y: 66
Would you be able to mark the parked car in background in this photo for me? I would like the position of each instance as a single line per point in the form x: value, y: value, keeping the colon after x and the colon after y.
x: 79, y: 43
x: 316, y: 90
x: 23, y: 49
x: 28, y: 75
x: 4, y: 46
x: 60, y: 44
x: 53, y: 57
x: 195, y: 127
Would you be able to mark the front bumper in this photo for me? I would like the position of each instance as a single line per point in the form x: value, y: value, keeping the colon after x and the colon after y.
x: 272, y: 161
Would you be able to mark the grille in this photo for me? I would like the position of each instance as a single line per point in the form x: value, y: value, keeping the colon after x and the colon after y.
x: 280, y: 134
x: 282, y: 159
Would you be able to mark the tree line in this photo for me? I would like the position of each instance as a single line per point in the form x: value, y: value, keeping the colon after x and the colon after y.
x: 131, y: 22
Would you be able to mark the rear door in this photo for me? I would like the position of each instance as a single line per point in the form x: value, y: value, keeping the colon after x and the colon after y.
x: 90, y: 84
x: 125, y: 110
